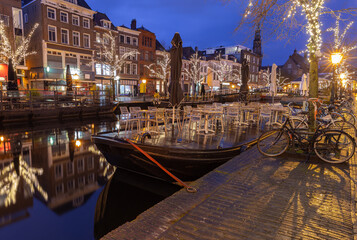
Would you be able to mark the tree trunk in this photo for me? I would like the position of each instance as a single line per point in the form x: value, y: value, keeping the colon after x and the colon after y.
x: 313, y: 89
x: 113, y: 86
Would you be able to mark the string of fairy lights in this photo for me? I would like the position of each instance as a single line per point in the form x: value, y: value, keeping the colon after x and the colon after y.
x: 18, y: 52
x: 311, y: 9
x: 10, y: 180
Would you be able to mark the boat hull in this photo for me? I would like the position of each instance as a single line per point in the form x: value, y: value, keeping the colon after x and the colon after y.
x: 186, y: 164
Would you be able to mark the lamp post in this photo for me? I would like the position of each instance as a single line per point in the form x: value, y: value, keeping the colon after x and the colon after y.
x: 335, y: 59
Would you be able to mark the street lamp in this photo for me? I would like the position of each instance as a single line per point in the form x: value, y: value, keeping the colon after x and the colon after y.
x: 336, y: 58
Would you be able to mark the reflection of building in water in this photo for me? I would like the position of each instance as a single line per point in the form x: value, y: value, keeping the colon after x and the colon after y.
x: 15, y: 199
x: 68, y: 183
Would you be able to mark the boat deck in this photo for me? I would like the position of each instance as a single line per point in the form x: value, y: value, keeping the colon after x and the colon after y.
x: 192, y: 139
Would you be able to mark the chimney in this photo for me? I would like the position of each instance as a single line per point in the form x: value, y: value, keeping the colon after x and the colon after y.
x: 133, y: 24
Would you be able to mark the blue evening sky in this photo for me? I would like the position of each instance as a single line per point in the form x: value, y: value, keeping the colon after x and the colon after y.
x: 203, y: 23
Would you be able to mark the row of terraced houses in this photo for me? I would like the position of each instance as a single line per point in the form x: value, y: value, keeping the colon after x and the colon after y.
x: 71, y: 34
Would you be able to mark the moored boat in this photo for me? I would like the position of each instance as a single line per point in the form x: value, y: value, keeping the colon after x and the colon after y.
x: 186, y: 163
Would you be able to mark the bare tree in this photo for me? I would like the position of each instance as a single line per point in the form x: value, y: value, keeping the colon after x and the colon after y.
x: 223, y: 70
x: 111, y: 59
x: 161, y: 69
x: 194, y: 71
x: 281, y: 17
x: 12, y: 51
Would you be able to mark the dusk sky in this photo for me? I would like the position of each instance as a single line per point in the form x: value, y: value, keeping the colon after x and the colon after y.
x: 202, y: 23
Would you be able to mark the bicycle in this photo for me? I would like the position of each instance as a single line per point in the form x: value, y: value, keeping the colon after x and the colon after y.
x: 333, y: 146
x: 330, y: 120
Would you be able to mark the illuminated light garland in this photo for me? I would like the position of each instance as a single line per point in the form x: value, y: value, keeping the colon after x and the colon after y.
x: 102, y: 159
x: 195, y: 69
x: 21, y: 52
x: 223, y: 70
x: 339, y: 39
x: 9, y: 181
x: 164, y: 67
x: 111, y: 57
x: 312, y: 10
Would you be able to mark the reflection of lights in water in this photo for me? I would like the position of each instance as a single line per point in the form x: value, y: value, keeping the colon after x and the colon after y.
x: 103, y: 162
x: 1, y: 138
x: 10, y: 180
x: 78, y: 143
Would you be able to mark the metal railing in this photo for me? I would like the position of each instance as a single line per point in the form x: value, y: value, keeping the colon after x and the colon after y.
x: 43, y: 99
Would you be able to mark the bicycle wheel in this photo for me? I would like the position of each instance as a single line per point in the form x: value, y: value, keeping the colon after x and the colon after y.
x: 334, y: 146
x: 273, y: 143
x: 349, y: 117
x: 298, y: 123
x: 343, y: 126
x: 337, y: 116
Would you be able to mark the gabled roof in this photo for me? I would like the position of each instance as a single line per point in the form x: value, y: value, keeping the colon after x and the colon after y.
x: 102, y: 16
x: 300, y: 60
x: 187, y: 52
x: 159, y: 46
x: 142, y: 28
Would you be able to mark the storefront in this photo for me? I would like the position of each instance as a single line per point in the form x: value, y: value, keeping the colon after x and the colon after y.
x: 128, y: 87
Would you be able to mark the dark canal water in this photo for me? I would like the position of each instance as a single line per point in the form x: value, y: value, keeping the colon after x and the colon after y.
x: 54, y: 184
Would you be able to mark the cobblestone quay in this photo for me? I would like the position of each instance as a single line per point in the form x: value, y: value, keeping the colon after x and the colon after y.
x: 255, y: 197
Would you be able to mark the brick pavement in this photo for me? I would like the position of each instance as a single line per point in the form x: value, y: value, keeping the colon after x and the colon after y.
x: 255, y: 197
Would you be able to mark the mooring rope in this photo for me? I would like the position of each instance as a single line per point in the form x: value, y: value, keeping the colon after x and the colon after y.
x: 188, y: 188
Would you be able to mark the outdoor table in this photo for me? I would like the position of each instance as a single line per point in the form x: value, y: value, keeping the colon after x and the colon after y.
x: 274, y: 114
x: 207, y: 113
x: 244, y: 114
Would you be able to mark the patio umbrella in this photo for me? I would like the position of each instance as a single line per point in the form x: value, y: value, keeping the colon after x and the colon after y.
x: 11, y: 77
x: 273, y: 87
x: 175, y: 90
x: 245, y: 78
x: 69, y: 79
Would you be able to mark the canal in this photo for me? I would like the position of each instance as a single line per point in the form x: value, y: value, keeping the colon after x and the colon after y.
x: 55, y: 184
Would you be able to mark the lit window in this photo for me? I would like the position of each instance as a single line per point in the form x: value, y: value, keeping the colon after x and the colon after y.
x: 98, y: 69
x: 51, y: 13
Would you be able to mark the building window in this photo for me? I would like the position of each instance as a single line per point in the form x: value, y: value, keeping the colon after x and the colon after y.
x: 26, y: 18
x: 86, y: 41
x: 135, y: 69
x: 52, y: 31
x: 86, y: 23
x: 91, y: 178
x: 135, y: 41
x: 122, y: 38
x: 128, y: 69
x: 90, y: 162
x: 75, y: 38
x: 5, y: 19
x: 121, y: 51
x: 97, y: 37
x: 70, y: 168
x: 105, y: 39
x: 106, y: 70
x: 128, y: 40
x: 98, y: 69
x: 58, y: 171
x: 72, y: 1
x: 59, y: 189
x: 71, y: 185
x: 81, y: 181
x: 64, y: 36
x: 80, y: 165
x: 64, y: 17
x: 75, y: 20
x: 51, y: 13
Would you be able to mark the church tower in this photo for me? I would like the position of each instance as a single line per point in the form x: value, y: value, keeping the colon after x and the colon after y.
x: 257, y: 43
